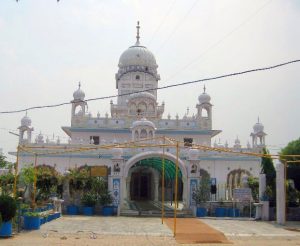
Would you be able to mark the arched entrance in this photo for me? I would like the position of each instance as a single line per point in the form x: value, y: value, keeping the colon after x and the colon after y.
x: 143, y: 177
x: 146, y: 180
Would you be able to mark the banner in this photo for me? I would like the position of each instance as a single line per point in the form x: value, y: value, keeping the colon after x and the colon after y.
x: 116, y: 192
x: 193, y: 188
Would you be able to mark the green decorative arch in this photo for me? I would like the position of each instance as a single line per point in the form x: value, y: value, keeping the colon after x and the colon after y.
x: 157, y: 164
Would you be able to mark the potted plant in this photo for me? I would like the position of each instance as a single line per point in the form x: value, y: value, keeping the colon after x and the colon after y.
x: 106, y: 202
x: 8, y: 208
x: 32, y: 221
x: 221, y: 210
x: 201, y: 196
x: 88, y: 201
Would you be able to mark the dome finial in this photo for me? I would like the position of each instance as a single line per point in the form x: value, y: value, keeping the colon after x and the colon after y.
x: 258, y: 119
x: 204, y: 88
x: 138, y: 34
x: 79, y: 84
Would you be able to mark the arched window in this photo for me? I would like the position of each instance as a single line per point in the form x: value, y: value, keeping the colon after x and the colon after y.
x: 142, y: 107
x: 143, y: 133
x: 133, y: 109
x: 204, y: 112
x: 137, y: 77
x: 136, y: 135
x: 151, y: 108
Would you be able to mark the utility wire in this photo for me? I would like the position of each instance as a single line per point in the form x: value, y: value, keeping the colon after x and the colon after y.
x: 178, y: 25
x: 218, y: 42
x: 160, y: 88
x: 162, y: 21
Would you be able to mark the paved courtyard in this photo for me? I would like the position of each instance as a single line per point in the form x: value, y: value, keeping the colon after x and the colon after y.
x: 81, y: 230
x: 107, y: 225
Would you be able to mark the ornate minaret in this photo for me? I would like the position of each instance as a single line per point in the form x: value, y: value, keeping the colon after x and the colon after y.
x: 25, y: 128
x: 258, y: 135
x: 79, y: 106
x: 204, y: 107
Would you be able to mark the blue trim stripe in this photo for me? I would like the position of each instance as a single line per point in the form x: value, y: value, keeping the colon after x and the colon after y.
x: 127, y: 157
x: 159, y: 131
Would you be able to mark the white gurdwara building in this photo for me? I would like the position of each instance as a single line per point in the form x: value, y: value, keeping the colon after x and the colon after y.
x: 135, y: 173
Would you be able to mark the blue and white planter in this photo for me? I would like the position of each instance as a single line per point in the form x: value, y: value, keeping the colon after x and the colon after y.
x: 32, y: 223
x: 107, y: 210
x: 89, y: 211
x: 72, y: 210
x: 6, y: 229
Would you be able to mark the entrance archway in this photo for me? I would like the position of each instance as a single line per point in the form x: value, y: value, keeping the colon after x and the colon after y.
x: 143, y: 177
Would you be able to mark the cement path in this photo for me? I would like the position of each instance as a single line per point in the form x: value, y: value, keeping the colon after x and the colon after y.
x: 81, y: 230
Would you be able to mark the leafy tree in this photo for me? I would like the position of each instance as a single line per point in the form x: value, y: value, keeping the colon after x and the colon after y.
x: 293, y: 148
x: 293, y: 169
x: 267, y: 167
x: 3, y: 162
x: 27, y: 177
x: 202, y: 193
x: 254, y: 186
x: 6, y: 183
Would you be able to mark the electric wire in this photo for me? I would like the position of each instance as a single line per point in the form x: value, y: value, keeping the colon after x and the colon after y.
x: 178, y: 25
x: 218, y: 42
x: 160, y: 88
x: 162, y: 21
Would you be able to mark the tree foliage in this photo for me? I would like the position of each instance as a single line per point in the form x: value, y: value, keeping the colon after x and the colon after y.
x: 293, y: 169
x: 293, y: 148
x: 267, y: 167
x: 3, y: 162
x: 202, y: 193
x: 253, y: 184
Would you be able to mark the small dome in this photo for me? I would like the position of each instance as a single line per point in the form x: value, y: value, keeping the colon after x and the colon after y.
x: 143, y: 122
x: 117, y: 153
x: 40, y: 138
x: 237, y: 141
x: 258, y: 127
x: 143, y: 95
x: 79, y: 94
x: 204, y: 97
x: 193, y: 154
x: 26, y: 121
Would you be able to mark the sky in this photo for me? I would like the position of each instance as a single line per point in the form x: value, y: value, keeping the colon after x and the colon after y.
x: 46, y: 48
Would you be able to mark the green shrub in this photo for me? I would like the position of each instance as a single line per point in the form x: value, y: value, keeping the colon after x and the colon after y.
x: 106, y: 198
x: 202, y: 193
x: 8, y: 207
x: 32, y: 214
x: 89, y: 199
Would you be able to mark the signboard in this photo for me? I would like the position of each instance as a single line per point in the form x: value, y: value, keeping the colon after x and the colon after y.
x: 193, y: 188
x: 242, y: 194
x: 99, y: 171
x: 116, y: 191
x: 213, y: 181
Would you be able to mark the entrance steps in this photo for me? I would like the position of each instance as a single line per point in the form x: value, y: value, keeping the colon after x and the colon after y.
x: 153, y: 209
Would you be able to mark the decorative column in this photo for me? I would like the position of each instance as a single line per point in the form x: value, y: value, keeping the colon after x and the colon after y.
x: 156, y: 181
x: 280, y: 194
x: 127, y: 191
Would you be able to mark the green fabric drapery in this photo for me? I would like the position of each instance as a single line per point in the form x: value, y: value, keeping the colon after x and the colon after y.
x: 156, y: 163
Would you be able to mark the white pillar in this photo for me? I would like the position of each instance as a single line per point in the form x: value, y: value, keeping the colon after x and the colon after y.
x: 185, y: 193
x: 127, y: 188
x: 156, y: 189
x: 280, y: 194
x: 262, y: 185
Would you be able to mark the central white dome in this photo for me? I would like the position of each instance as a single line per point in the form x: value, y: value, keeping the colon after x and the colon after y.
x: 137, y: 56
